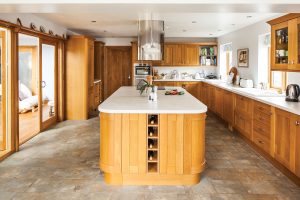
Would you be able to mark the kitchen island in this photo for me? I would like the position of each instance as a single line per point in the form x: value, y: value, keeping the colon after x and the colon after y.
x: 152, y: 143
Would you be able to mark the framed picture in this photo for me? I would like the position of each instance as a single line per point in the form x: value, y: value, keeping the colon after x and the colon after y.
x: 243, y: 57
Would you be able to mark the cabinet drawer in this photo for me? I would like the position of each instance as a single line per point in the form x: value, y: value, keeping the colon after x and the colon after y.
x: 261, y: 128
x: 243, y: 104
x: 261, y: 107
x: 262, y: 117
x: 261, y: 141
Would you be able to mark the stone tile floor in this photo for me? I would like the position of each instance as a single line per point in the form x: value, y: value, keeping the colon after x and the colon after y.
x: 62, y: 163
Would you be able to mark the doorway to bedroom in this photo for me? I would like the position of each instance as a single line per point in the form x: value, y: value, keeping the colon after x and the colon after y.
x: 37, y: 85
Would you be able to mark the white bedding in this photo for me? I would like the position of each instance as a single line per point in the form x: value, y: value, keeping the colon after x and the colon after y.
x: 28, y: 103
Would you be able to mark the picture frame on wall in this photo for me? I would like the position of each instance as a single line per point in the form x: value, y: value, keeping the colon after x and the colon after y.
x: 243, y: 57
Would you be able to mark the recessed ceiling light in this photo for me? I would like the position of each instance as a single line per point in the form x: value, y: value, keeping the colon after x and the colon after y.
x: 219, y: 30
x: 233, y: 24
x: 249, y: 16
x: 194, y: 22
x: 183, y: 30
x: 93, y: 21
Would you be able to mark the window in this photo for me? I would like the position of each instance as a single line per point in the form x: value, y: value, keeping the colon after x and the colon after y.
x: 225, y: 59
x: 275, y: 79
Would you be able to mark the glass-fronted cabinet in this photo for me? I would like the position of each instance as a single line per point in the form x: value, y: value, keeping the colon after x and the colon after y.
x: 285, y: 47
x: 281, y: 46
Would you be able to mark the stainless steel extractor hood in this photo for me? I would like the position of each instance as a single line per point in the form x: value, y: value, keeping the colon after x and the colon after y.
x: 150, y: 40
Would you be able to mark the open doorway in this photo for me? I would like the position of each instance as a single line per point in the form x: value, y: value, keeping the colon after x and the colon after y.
x: 29, y: 120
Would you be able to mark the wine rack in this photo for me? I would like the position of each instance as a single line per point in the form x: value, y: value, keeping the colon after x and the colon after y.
x: 153, y: 143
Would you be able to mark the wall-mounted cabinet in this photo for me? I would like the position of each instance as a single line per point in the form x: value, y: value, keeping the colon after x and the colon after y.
x: 178, y: 54
x: 285, y: 38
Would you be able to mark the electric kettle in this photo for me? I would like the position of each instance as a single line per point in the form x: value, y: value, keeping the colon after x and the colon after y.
x: 292, y: 93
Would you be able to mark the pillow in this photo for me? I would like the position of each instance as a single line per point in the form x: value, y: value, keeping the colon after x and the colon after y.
x: 24, y: 92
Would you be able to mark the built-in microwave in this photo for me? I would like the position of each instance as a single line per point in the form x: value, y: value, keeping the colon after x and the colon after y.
x: 142, y: 70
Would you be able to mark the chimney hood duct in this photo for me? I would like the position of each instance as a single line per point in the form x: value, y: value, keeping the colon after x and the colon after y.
x: 150, y: 40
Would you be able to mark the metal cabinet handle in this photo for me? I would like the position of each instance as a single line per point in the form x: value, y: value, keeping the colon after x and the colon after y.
x: 293, y: 62
x: 44, y: 84
x: 129, y: 77
x: 297, y: 123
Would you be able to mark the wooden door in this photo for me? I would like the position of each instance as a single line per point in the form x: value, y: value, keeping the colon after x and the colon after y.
x: 117, y: 68
x: 134, y: 145
x: 285, y: 138
x: 228, y: 107
x: 191, y: 55
x: 171, y: 143
x: 219, y: 101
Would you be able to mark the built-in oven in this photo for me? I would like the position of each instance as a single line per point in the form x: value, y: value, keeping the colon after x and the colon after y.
x: 142, y: 70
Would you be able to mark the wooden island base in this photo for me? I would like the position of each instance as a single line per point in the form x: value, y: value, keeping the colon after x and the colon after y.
x: 152, y: 149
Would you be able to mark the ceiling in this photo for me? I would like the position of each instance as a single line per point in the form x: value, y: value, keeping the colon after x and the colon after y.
x: 124, y: 24
x: 187, y: 18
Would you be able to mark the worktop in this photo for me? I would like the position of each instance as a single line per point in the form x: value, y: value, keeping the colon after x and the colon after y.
x: 277, y: 101
x: 127, y: 99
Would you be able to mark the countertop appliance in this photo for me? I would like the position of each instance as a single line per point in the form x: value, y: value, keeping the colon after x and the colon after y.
x: 292, y: 93
x: 246, y: 83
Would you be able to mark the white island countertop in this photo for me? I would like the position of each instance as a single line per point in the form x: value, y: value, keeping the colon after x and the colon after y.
x: 128, y: 100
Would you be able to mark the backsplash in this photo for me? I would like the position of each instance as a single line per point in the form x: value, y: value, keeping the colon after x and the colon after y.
x: 186, y: 69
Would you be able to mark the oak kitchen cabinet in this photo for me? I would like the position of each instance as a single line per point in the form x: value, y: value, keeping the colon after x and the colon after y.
x: 219, y: 99
x: 175, y: 54
x: 243, y: 116
x: 286, y: 139
x: 79, y: 77
x: 285, y: 38
x: 228, y: 107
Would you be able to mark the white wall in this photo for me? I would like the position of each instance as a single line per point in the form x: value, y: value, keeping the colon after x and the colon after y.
x: 248, y: 37
x: 26, y: 19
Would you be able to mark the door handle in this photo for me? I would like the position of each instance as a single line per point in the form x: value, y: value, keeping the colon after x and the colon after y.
x: 129, y: 77
x: 44, y: 84
x: 297, y: 123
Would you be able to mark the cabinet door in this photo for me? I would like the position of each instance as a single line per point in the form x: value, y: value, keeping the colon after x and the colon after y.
x: 110, y: 142
x: 194, y: 143
x: 228, y: 107
x: 211, y: 97
x: 285, y: 138
x: 178, y: 56
x: 219, y: 101
x: 168, y: 55
x: 297, y: 154
x: 279, y: 46
x: 294, y: 38
x: 191, y: 87
x: 191, y: 56
x: 134, y: 133
x: 171, y: 143
x: 243, y: 123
